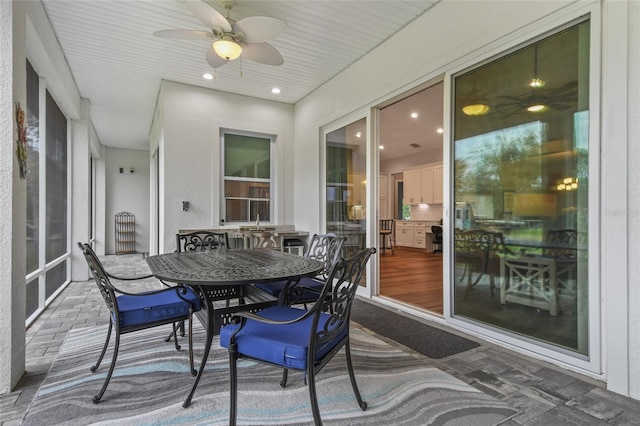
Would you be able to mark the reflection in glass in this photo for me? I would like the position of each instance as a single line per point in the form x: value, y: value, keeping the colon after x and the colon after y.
x: 520, y: 190
x: 346, y: 185
x: 33, y: 168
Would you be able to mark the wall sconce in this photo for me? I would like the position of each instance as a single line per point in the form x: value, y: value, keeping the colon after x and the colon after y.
x: 185, y: 206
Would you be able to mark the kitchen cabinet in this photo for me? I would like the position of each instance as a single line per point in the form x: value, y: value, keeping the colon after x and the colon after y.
x: 426, y: 193
x: 412, y: 186
x: 382, y: 186
x: 404, y: 233
x: 423, y: 185
x: 411, y: 234
x: 419, y: 229
x: 438, y: 183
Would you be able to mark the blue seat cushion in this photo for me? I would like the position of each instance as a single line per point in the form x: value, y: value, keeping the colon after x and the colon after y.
x: 274, y: 288
x: 145, y: 308
x: 286, y: 345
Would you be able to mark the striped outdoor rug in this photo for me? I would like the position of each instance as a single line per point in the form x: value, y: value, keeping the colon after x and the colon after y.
x: 151, y: 381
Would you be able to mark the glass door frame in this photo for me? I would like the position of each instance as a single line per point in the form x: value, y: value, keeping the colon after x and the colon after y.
x: 593, y: 362
x: 371, y: 214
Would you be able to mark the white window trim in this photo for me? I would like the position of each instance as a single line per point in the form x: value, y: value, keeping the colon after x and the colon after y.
x: 272, y: 180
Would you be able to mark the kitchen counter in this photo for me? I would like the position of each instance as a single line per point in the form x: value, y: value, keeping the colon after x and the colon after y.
x: 252, y: 236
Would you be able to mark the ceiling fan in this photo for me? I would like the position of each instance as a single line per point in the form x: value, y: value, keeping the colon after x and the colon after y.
x: 231, y: 39
x: 539, y: 99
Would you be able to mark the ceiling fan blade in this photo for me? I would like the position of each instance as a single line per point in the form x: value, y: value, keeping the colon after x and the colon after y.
x: 258, y: 29
x: 208, y: 15
x: 213, y: 59
x: 185, y: 34
x: 262, y: 53
x: 558, y: 106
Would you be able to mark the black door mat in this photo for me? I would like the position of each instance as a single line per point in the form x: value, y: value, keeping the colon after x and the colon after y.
x: 427, y: 340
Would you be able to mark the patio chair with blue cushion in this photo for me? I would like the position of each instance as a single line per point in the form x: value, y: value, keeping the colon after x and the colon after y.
x: 131, y: 312
x: 323, y: 247
x: 299, y: 339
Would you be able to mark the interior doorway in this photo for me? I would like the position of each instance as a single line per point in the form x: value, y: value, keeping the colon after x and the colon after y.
x: 410, y: 141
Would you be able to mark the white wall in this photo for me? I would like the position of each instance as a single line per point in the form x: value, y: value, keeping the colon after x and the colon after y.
x: 456, y: 34
x: 127, y: 192
x: 12, y: 198
x: 190, y: 153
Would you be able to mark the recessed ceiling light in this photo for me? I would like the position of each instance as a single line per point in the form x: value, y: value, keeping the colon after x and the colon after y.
x: 440, y: 130
x: 207, y: 76
x: 414, y: 115
x: 275, y: 90
x: 381, y: 147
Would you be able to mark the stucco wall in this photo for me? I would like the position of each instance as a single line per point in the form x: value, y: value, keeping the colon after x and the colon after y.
x: 12, y: 198
x: 192, y: 119
x: 129, y: 192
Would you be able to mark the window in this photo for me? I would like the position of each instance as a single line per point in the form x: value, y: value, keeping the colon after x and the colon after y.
x: 247, y: 177
x: 521, y: 191
x: 47, y: 199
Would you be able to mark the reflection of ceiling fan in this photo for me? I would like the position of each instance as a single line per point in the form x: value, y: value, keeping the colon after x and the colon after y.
x: 540, y: 99
x: 246, y: 37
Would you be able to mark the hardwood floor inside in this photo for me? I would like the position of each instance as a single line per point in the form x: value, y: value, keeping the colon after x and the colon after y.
x: 412, y: 276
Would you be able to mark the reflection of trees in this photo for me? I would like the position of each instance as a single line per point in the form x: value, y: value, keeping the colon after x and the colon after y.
x: 509, y: 163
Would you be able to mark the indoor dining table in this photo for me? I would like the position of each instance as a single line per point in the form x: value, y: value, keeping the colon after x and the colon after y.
x: 220, y: 275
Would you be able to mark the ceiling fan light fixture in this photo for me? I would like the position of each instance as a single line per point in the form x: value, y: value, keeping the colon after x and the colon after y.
x: 227, y: 48
x: 536, y: 108
x: 475, y: 109
x: 536, y: 83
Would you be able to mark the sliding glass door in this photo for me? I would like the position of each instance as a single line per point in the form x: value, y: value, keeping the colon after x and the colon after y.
x: 520, y: 190
x: 346, y: 185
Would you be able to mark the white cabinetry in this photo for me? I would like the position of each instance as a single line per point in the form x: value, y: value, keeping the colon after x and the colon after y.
x: 423, y: 185
x: 426, y: 194
x: 411, y: 234
x: 419, y: 229
x: 438, y: 183
x: 412, y: 186
x: 404, y: 233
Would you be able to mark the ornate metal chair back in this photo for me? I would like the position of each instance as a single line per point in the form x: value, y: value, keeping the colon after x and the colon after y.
x: 336, y: 299
x: 325, y: 248
x: 100, y: 276
x: 202, y: 240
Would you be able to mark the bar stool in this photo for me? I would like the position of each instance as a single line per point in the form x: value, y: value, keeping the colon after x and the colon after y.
x: 386, y: 229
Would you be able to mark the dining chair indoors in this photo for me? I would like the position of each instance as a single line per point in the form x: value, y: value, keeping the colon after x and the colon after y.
x: 323, y: 247
x: 130, y: 312
x: 298, y: 339
x: 386, y: 231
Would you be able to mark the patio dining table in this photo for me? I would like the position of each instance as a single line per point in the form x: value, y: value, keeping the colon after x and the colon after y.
x: 219, y: 275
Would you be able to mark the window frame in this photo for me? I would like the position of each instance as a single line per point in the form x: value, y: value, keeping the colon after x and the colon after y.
x: 223, y: 178
x: 593, y: 362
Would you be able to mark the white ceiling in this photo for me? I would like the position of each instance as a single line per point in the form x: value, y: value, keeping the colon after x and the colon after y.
x: 118, y: 64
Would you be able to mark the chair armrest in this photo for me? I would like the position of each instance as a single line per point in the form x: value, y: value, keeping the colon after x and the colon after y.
x: 241, y: 317
x: 115, y: 277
